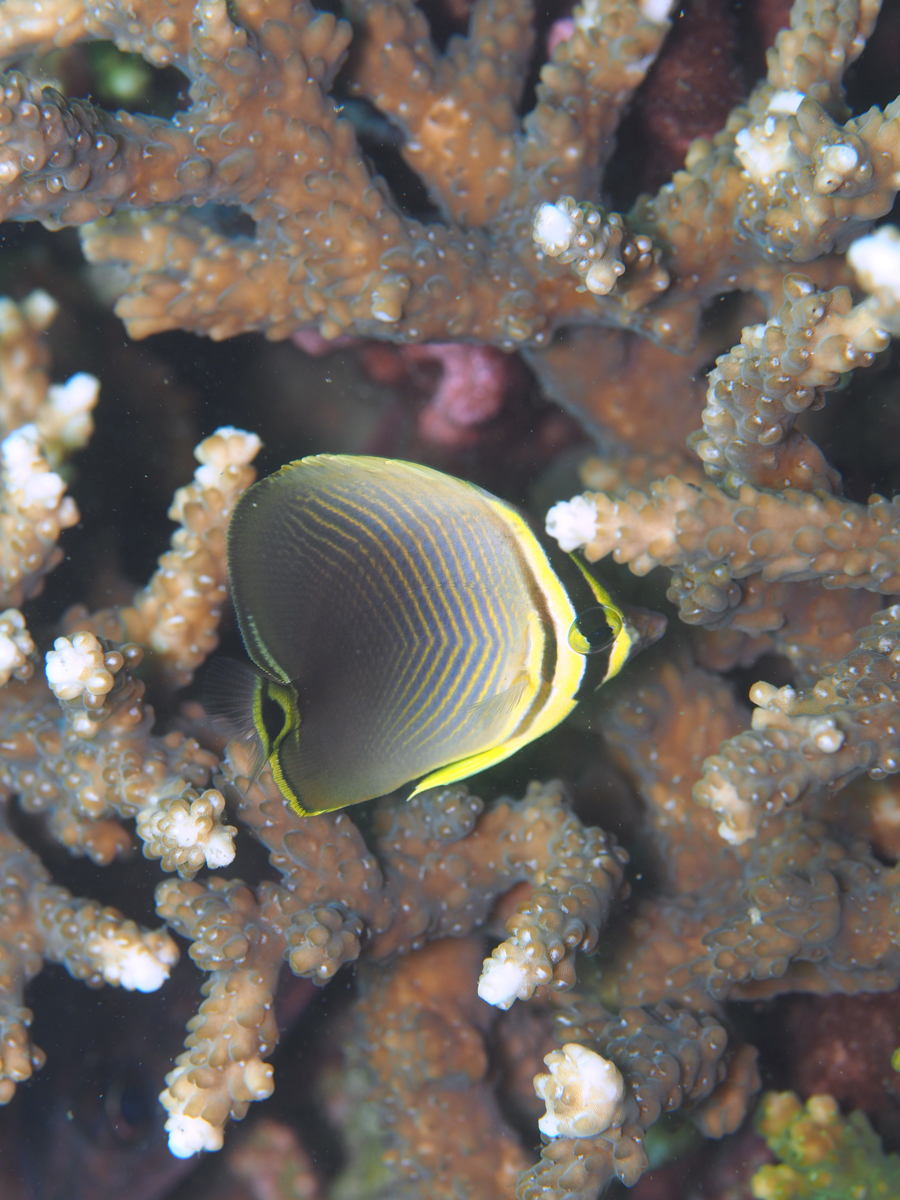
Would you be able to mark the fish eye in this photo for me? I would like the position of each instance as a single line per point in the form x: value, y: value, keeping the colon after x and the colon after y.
x: 594, y: 630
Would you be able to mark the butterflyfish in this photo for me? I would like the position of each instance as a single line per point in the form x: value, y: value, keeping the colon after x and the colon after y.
x: 405, y: 626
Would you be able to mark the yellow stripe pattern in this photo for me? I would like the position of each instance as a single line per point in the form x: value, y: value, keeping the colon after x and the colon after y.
x: 400, y: 603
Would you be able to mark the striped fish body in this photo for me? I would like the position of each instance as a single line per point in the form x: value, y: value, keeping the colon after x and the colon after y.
x: 410, y: 625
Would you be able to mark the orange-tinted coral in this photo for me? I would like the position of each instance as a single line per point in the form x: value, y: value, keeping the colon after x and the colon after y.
x: 419, y: 1037
x: 761, y: 859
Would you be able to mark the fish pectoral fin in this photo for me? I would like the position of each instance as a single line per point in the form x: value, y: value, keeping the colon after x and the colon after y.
x: 503, y: 703
x: 227, y: 690
x: 258, y: 758
x: 464, y: 767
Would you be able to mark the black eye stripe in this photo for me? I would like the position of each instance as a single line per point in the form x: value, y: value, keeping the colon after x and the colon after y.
x: 595, y: 668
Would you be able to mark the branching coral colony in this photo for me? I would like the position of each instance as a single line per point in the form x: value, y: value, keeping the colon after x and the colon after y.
x: 761, y: 887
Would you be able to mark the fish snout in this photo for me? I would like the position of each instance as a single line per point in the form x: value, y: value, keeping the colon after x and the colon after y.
x: 646, y: 627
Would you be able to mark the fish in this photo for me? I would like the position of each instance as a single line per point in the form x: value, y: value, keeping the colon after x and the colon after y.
x: 404, y: 626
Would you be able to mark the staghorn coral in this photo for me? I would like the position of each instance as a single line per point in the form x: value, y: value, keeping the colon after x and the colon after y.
x: 649, y: 1062
x: 241, y: 942
x: 767, y: 556
x: 79, y: 748
x: 817, y: 739
x: 43, y: 423
x: 177, y: 614
x: 440, y: 863
x: 419, y: 1043
x: 39, y: 921
x: 82, y: 752
x: 784, y: 179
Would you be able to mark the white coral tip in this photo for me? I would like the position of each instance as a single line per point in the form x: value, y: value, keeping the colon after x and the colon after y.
x: 501, y: 982
x: 134, y: 961
x: 65, y: 665
x: 876, y: 261
x: 138, y: 970
x: 583, y: 1093
x: 10, y: 655
x: 190, y: 1135
x: 20, y: 452
x: 44, y: 488
x: 826, y: 735
x: 786, y: 101
x: 656, y: 10
x: 553, y: 228
x: 77, y: 395
x: 15, y: 642
x: 573, y: 523
x: 219, y: 848
x: 225, y: 448
x: 39, y: 308
x: 766, y: 150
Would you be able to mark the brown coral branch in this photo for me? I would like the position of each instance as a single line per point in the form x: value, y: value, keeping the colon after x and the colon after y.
x: 39, y: 921
x: 439, y: 865
x: 96, y: 759
x: 459, y: 114
x: 711, y: 539
x: 177, y: 614
x: 817, y: 740
x: 711, y: 219
x: 757, y: 391
x: 660, y: 726
x: 812, y: 627
x: 240, y: 940
x: 814, y: 916
x: 147, y: 27
x: 666, y: 1058
x: 419, y: 1041
x: 803, y: 906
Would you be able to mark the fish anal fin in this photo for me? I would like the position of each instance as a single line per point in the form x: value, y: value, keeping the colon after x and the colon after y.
x: 464, y: 767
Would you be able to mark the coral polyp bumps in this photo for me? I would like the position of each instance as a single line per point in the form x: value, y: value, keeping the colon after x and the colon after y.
x: 765, y: 874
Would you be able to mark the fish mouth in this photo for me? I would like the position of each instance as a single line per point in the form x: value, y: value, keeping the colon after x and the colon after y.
x: 645, y: 626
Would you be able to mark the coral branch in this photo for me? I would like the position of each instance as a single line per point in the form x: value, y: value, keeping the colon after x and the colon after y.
x: 419, y: 1043
x: 97, y: 759
x: 40, y: 920
x: 439, y: 865
x: 818, y: 739
x: 815, y: 1143
x: 241, y: 942
x: 255, y: 208
x: 177, y: 614
x: 650, y: 1061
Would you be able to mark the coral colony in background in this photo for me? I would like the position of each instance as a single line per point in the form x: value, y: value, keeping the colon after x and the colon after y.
x: 535, y: 1007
